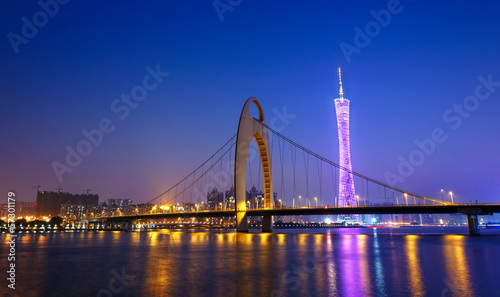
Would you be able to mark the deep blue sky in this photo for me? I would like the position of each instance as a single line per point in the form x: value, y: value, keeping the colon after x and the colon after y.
x: 285, y: 53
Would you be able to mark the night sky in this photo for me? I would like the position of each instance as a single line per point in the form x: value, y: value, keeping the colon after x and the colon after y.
x: 403, y: 83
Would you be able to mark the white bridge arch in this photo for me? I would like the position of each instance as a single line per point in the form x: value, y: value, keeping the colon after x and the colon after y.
x: 249, y: 128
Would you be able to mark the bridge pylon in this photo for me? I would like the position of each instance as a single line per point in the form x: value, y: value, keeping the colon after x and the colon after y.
x: 249, y: 128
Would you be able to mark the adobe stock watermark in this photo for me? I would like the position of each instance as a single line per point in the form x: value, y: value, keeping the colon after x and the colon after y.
x: 40, y: 19
x: 449, y: 288
x: 372, y: 29
x: 11, y: 256
x: 120, y: 108
x: 223, y: 6
x: 223, y: 179
x: 454, y: 117
x: 116, y: 284
x: 294, y: 277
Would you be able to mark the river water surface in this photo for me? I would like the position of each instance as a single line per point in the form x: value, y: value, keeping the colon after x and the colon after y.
x: 413, y: 261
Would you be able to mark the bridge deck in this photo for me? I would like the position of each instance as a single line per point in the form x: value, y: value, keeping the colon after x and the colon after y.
x: 475, y: 209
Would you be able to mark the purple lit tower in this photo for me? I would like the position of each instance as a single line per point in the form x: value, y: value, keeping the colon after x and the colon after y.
x: 346, y: 182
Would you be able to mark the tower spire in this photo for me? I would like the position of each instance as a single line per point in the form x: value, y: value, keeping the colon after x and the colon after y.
x: 341, y: 92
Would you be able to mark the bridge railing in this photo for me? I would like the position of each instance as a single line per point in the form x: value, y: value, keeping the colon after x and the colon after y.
x: 292, y: 207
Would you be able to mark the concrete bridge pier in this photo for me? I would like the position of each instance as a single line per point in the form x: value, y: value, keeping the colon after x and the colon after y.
x: 267, y: 224
x: 473, y: 223
x: 241, y: 221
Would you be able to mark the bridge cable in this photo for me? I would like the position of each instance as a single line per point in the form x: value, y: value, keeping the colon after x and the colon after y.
x: 203, y: 174
x: 379, y: 195
x: 294, y: 159
x: 341, y: 167
x: 333, y: 185
x: 193, y: 170
x: 319, y: 165
x: 363, y: 190
x: 281, y: 165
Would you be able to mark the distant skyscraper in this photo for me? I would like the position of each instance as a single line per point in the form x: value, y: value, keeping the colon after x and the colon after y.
x: 346, y: 182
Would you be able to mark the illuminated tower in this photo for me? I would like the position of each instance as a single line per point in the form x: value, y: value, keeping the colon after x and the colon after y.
x: 346, y: 182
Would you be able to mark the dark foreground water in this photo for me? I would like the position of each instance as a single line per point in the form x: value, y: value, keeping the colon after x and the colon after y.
x: 336, y: 262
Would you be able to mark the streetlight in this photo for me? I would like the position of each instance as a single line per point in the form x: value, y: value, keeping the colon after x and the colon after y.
x: 451, y: 195
x: 406, y: 198
x: 316, y: 199
x: 300, y: 197
x: 442, y: 195
x: 357, y: 198
x: 280, y: 203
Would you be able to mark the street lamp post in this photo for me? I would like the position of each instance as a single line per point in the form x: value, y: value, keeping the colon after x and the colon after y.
x: 451, y: 195
x: 316, y: 199
x: 406, y: 198
x: 442, y: 195
x: 300, y: 197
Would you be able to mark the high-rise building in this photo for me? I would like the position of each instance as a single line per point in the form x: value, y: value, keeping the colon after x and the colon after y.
x: 215, y: 199
x: 346, y: 181
x: 49, y: 203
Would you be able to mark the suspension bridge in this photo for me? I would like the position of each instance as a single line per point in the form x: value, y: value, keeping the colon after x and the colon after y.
x: 261, y: 173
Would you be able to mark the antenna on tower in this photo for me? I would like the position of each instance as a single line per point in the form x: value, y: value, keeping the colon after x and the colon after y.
x: 341, y: 92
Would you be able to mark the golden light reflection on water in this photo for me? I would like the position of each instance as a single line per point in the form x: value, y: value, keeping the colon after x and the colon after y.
x: 244, y: 263
x: 280, y: 238
x: 331, y: 269
x: 266, y: 261
x: 302, y: 239
x: 456, y: 266
x: 414, y: 270
x: 158, y: 277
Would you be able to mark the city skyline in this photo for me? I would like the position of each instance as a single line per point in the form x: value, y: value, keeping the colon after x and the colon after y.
x: 199, y: 148
x: 406, y: 86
